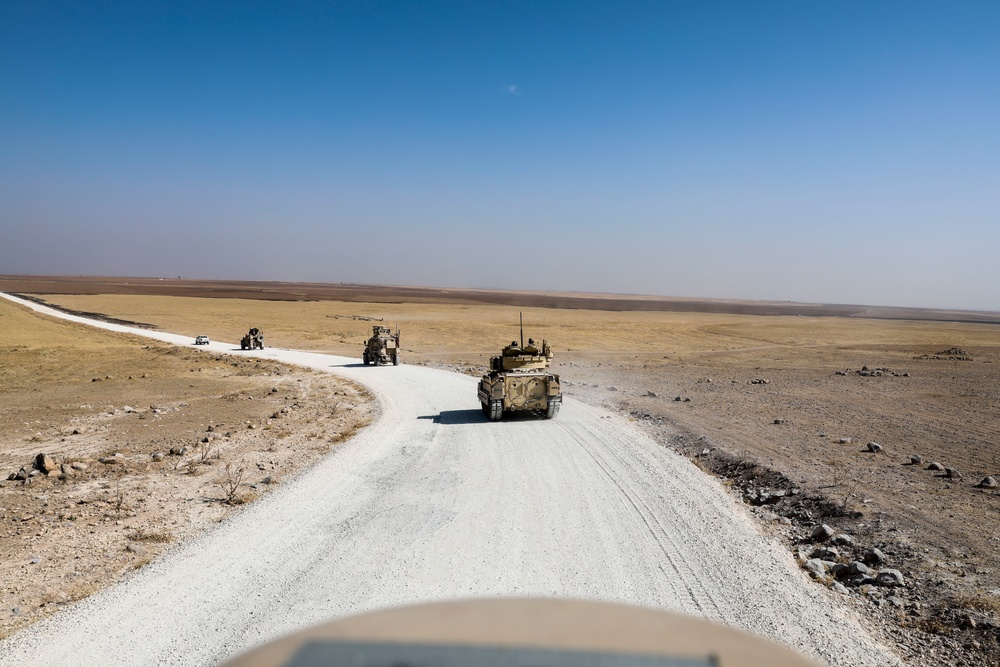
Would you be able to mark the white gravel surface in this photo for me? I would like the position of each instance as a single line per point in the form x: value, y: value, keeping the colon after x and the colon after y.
x: 432, y: 502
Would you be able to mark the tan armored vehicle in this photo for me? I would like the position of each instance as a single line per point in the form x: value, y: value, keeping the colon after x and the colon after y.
x: 254, y: 340
x: 519, y: 381
x: 382, y: 347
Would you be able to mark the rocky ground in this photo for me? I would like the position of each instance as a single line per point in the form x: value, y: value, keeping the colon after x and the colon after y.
x: 107, y: 462
x: 853, y: 449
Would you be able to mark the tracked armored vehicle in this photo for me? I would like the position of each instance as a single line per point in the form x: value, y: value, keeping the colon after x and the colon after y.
x: 382, y: 347
x: 519, y: 382
x: 254, y: 340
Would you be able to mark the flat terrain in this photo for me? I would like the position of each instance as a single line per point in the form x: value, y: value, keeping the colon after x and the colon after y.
x: 935, y: 395
x: 432, y: 502
x: 84, y: 396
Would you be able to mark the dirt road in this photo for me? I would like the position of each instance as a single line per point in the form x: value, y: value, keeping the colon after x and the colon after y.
x: 433, y: 502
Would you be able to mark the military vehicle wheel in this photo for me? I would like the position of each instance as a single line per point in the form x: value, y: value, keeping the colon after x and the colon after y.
x: 496, y: 410
x: 395, y: 359
x: 486, y: 410
x: 553, y: 409
x: 364, y: 357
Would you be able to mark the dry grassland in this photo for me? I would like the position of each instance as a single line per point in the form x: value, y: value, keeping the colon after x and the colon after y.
x: 85, y: 396
x: 787, y: 433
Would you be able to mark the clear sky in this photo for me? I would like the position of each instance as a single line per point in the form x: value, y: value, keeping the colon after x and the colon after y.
x: 843, y: 152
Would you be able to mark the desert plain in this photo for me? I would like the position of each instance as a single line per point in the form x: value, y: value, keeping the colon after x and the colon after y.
x: 780, y: 401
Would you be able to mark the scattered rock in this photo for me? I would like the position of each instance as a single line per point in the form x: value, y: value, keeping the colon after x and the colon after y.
x: 822, y: 533
x: 889, y: 578
x: 839, y: 588
x: 951, y: 473
x: 843, y: 540
x: 137, y: 549
x: 916, y: 459
x: 873, y: 556
x: 79, y: 466
x: 857, y: 567
x: 826, y: 553
x: 779, y: 421
x: 935, y: 466
x: 157, y: 456
x: 839, y: 570
x: 815, y: 567
x: 874, y: 447
x: 988, y: 483
x: 45, y: 463
x: 180, y: 450
x: 846, y: 441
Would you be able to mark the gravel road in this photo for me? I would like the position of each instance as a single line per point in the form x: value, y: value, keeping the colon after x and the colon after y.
x: 433, y: 502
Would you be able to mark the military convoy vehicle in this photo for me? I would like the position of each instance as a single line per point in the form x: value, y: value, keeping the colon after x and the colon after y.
x: 382, y: 347
x: 519, y: 382
x: 254, y: 340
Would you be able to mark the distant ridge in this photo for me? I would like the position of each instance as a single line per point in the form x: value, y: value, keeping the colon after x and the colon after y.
x: 305, y: 291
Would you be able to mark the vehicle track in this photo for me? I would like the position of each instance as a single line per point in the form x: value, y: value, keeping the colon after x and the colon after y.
x: 432, y: 502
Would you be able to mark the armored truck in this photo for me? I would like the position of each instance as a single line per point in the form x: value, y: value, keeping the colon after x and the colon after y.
x: 519, y: 382
x: 382, y: 347
x: 254, y: 340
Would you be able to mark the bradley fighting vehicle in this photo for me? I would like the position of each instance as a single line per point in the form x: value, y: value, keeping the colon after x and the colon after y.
x: 519, y: 381
x: 254, y: 340
x: 382, y: 347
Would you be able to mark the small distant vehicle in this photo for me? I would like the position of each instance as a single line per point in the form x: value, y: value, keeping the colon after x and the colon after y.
x: 201, y: 340
x: 382, y: 347
x: 254, y: 340
x: 519, y: 382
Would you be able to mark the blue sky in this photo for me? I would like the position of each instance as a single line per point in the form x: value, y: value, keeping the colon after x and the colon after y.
x: 823, y: 152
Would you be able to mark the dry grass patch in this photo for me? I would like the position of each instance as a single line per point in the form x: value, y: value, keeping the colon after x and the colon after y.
x: 150, y: 399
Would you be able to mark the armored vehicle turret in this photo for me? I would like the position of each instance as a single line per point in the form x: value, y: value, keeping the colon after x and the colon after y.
x: 382, y: 347
x: 519, y: 382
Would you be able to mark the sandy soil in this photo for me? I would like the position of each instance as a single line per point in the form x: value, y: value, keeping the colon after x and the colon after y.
x: 431, y: 502
x: 110, y: 408
x: 784, y: 434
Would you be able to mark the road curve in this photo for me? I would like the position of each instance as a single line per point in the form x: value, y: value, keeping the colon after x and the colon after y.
x: 432, y: 502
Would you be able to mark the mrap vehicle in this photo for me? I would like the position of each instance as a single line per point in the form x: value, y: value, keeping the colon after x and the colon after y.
x: 254, y: 340
x: 382, y: 347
